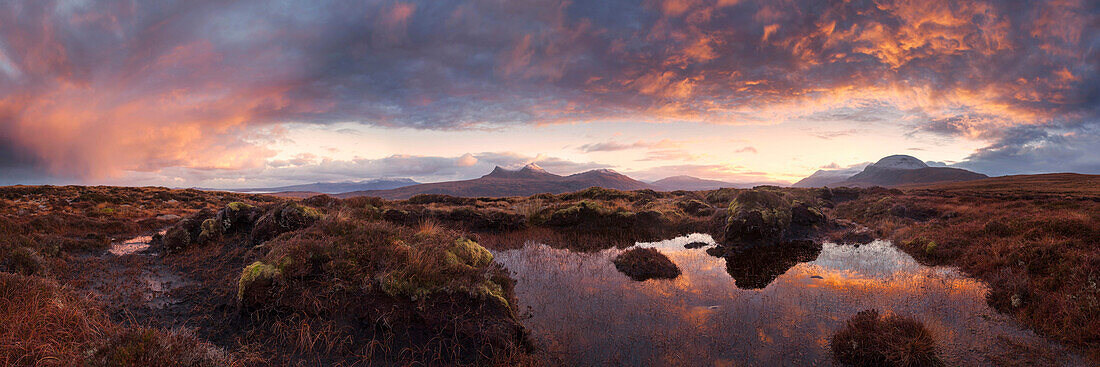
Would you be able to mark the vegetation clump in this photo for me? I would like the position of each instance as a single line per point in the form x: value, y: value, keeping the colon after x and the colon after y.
x: 757, y: 216
x: 870, y: 340
x: 256, y: 282
x: 642, y: 264
x: 286, y: 217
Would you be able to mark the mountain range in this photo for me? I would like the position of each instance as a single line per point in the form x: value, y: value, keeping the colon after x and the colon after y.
x: 893, y: 170
x: 699, y: 184
x: 529, y: 180
x: 335, y: 187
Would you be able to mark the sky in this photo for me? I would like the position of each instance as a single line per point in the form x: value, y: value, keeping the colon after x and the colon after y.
x: 254, y: 93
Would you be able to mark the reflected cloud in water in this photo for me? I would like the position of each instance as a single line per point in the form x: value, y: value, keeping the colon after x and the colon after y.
x: 779, y: 309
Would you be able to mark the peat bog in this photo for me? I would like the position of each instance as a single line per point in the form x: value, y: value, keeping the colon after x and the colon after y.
x: 977, y: 275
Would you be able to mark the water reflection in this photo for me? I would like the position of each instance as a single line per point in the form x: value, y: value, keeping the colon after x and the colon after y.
x: 756, y: 267
x: 584, y: 312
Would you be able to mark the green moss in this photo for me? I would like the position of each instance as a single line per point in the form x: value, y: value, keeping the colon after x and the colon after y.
x: 774, y: 209
x: 308, y: 211
x: 257, y: 271
x: 400, y: 284
x: 930, y: 247
x: 238, y: 206
x: 469, y: 253
x: 581, y: 206
x: 490, y: 290
x: 210, y: 229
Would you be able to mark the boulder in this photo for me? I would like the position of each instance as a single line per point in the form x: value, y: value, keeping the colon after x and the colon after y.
x: 641, y: 264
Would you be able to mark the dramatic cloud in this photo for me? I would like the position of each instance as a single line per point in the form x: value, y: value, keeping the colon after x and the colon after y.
x: 100, y: 88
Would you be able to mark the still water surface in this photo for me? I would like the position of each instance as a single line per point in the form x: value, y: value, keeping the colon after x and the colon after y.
x: 773, y: 309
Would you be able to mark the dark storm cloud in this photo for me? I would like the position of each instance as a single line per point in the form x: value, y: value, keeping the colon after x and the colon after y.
x: 93, y: 88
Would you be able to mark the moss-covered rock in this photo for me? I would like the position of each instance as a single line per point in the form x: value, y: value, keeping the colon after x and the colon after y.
x: 211, y: 230
x: 256, y: 283
x: 757, y: 216
x: 469, y: 253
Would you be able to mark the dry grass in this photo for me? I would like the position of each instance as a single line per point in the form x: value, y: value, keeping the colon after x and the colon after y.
x: 1040, y: 256
x: 47, y: 325
x: 891, y: 340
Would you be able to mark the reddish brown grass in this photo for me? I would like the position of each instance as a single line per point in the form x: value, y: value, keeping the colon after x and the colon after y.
x: 891, y: 340
x: 1041, y: 257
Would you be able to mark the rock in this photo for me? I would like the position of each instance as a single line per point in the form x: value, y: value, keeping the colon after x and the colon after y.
x: 695, y: 245
x: 286, y: 217
x: 852, y: 233
x: 757, y: 216
x: 641, y: 264
x: 168, y: 217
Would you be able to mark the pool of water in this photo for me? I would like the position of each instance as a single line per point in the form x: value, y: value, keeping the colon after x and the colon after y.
x: 133, y: 245
x: 757, y: 308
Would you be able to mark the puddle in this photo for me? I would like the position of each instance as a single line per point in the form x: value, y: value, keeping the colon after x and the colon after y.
x: 758, y: 308
x: 133, y: 245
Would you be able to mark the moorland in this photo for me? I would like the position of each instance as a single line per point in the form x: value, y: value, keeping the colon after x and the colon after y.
x: 122, y: 276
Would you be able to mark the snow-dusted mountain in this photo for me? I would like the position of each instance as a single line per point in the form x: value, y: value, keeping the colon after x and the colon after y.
x: 899, y: 161
x: 894, y: 170
x: 827, y: 177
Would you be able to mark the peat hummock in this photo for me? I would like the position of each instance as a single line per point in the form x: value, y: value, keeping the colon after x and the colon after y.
x: 646, y: 263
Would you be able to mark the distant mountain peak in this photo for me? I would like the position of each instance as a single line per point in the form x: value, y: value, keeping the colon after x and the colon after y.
x: 529, y: 171
x: 900, y: 161
x: 532, y: 167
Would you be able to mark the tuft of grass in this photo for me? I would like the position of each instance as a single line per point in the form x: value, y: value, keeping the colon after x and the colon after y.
x: 891, y: 340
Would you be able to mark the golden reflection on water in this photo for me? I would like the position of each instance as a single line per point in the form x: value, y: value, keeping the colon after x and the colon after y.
x: 584, y: 312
